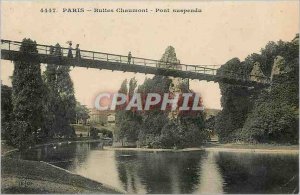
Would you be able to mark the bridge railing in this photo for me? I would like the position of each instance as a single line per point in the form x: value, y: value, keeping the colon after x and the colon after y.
x: 46, y: 49
x: 101, y: 56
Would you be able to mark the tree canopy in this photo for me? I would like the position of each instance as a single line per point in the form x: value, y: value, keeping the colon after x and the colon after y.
x: 262, y: 115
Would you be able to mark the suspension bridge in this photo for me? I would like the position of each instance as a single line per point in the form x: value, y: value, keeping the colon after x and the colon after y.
x: 10, y: 50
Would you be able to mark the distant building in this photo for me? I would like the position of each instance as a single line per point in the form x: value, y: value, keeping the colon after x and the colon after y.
x: 111, y: 118
x: 100, y: 116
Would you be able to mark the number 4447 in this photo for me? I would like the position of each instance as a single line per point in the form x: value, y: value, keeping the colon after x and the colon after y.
x: 48, y: 10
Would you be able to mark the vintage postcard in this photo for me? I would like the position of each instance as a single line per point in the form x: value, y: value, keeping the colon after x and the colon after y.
x: 150, y: 97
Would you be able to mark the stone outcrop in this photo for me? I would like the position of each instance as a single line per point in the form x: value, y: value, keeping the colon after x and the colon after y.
x: 278, y: 66
x: 256, y: 73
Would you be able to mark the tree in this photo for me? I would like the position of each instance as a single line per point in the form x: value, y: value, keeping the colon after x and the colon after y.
x: 153, y: 119
x: 27, y: 96
x: 52, y: 99
x: 120, y: 112
x: 169, y: 56
x: 132, y: 87
x: 154, y: 128
x: 60, y: 102
x: 272, y: 122
x: 158, y: 128
x: 275, y: 115
x: 128, y: 120
x: 262, y: 115
x: 82, y: 113
x: 66, y: 110
x: 235, y: 100
x: 6, y: 109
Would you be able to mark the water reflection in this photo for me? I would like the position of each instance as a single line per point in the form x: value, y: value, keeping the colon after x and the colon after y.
x: 211, y: 178
x: 259, y: 173
x: 175, y: 172
x: 159, y: 172
x: 101, y: 166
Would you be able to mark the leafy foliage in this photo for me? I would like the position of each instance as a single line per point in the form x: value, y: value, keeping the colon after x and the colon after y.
x: 128, y: 121
x: 235, y: 100
x: 6, y: 109
x: 82, y: 113
x: 268, y: 115
x: 154, y: 128
x: 66, y: 110
x: 27, y: 96
x: 60, y: 103
x: 39, y: 107
x: 94, y: 132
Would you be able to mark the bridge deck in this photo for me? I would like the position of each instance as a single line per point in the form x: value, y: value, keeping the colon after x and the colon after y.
x: 99, y: 60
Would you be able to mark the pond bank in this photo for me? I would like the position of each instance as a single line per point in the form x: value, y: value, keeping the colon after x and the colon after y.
x: 153, y: 149
x: 67, y: 142
x: 257, y: 148
x: 24, y: 176
x: 254, y: 148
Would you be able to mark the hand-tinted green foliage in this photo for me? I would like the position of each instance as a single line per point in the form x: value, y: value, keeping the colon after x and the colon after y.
x: 154, y: 128
x: 275, y: 115
x: 132, y: 87
x: 130, y: 127
x: 51, y: 99
x: 235, y: 100
x: 20, y: 134
x: 67, y: 101
x: 120, y: 113
x: 6, y: 109
x: 268, y: 115
x: 153, y: 119
x: 27, y: 96
x: 187, y: 131
x: 272, y: 121
x: 60, y: 103
x: 41, y: 107
x: 82, y: 113
x: 128, y: 121
x: 94, y: 133
x: 169, y: 58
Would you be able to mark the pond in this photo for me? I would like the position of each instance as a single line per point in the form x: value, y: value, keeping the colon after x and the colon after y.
x: 175, y: 172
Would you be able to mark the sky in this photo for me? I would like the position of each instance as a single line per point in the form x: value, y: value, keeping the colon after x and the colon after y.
x: 222, y: 31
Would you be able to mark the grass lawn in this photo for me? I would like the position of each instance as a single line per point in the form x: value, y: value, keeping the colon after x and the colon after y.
x: 39, y: 177
x: 23, y: 176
